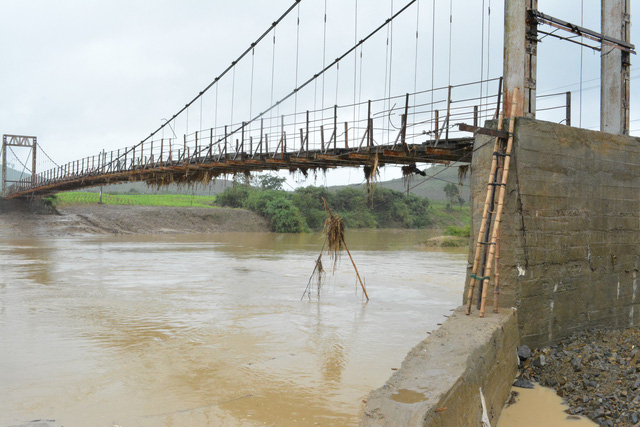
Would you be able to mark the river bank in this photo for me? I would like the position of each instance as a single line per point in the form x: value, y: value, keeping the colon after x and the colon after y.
x: 39, y: 218
x: 35, y: 220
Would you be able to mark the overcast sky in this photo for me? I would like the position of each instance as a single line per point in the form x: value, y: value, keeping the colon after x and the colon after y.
x: 86, y: 76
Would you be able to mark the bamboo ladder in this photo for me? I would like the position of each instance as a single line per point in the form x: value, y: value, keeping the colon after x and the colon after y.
x: 496, y: 179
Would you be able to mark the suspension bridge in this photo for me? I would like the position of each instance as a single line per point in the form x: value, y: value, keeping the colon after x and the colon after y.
x: 435, y: 125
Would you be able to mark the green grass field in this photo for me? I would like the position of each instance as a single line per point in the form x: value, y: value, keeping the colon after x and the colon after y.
x: 83, y: 198
x: 443, y: 218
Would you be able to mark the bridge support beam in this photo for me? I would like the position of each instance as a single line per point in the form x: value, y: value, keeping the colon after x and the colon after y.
x: 615, y: 65
x: 520, y: 54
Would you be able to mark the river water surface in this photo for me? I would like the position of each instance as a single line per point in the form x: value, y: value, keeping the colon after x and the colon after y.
x: 210, y: 329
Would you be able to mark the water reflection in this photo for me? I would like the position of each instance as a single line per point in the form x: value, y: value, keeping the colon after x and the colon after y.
x: 209, y: 329
x: 34, y: 258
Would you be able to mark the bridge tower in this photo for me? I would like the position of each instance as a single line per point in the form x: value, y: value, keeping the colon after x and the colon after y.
x: 615, y: 68
x: 521, y: 19
x: 18, y: 141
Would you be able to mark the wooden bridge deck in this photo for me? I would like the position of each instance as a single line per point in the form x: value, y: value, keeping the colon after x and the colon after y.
x: 202, y: 168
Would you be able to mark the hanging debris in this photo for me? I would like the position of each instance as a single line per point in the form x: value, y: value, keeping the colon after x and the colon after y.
x: 334, y: 242
x: 371, y: 175
x: 463, y: 171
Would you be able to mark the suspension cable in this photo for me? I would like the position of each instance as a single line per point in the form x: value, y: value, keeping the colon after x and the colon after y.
x: 215, y: 120
x: 581, y: 56
x: 253, y: 58
x: 295, y: 102
x: 324, y: 55
x: 328, y: 67
x: 482, y: 55
x: 390, y: 70
x: 337, y: 82
x: 450, y: 36
x: 360, y: 86
x: 415, y: 66
x: 488, y: 48
x: 433, y: 52
x: 355, y: 61
x: 233, y: 64
x: 273, y: 71
x: 233, y: 92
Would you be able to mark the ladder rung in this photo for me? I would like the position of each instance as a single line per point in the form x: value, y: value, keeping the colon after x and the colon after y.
x: 496, y: 153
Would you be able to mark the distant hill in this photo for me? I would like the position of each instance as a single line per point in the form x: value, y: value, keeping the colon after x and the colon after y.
x: 14, y: 175
x: 430, y: 186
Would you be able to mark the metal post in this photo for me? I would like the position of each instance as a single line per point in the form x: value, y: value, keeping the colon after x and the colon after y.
x: 4, y: 165
x: 335, y: 127
x: 520, y: 53
x: 33, y: 163
x: 261, y: 134
x: 284, y: 137
x: 211, y: 144
x: 568, y: 111
x: 307, y: 132
x: 346, y: 134
x: 225, y: 140
x: 195, y: 151
x: 448, y: 119
x: 369, y: 125
x: 242, y: 143
x: 615, y: 64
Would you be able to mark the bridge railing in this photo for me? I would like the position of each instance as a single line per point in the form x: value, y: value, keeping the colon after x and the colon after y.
x: 427, y: 117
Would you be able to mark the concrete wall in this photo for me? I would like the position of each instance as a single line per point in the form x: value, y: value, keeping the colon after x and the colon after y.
x: 570, y: 254
x: 440, y: 379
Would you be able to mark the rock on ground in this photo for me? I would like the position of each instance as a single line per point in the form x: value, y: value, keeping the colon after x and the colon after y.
x: 597, y: 372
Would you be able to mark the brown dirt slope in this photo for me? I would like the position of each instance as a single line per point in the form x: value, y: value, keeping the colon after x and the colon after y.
x: 16, y: 221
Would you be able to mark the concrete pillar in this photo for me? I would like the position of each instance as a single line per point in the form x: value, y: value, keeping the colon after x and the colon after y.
x: 520, y: 54
x: 615, y: 64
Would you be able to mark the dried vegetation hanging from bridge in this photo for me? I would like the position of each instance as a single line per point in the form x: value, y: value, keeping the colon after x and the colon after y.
x: 334, y: 243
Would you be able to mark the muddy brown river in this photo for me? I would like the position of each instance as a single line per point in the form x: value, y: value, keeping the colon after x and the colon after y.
x: 173, y: 330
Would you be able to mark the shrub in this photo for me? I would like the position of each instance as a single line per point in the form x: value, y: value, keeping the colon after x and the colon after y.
x: 453, y: 230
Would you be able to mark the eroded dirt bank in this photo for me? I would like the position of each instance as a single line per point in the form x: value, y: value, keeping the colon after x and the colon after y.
x: 23, y: 219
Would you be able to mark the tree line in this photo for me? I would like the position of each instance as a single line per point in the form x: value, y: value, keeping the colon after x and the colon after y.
x: 302, y: 210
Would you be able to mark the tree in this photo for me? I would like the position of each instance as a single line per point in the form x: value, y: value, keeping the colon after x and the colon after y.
x: 271, y: 182
x: 452, y: 192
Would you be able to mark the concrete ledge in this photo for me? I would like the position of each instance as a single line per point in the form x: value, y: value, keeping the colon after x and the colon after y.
x: 439, y: 381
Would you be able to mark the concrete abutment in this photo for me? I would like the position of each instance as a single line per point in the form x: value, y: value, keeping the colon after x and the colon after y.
x: 570, y: 261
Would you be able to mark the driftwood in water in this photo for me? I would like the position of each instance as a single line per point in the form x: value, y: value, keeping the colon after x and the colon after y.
x: 334, y: 242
